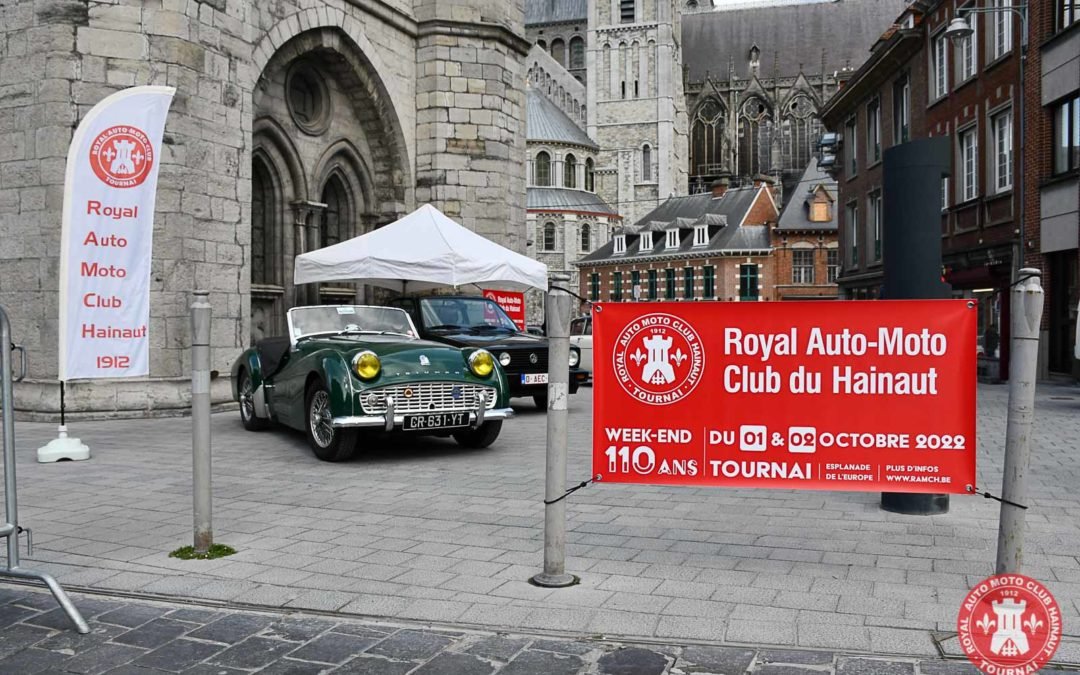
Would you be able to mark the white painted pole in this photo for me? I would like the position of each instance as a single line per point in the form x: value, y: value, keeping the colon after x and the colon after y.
x: 200, y: 420
x: 1026, y: 315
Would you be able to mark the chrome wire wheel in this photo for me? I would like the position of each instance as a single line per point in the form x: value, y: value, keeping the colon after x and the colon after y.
x: 319, y: 419
x: 247, y: 399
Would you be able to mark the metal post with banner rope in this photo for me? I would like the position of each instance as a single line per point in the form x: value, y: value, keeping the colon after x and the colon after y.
x: 557, y: 318
x: 11, y: 528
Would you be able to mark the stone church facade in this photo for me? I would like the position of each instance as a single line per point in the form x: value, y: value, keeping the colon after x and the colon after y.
x: 295, y: 125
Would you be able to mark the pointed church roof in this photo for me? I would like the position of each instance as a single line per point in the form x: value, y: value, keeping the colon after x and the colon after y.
x: 555, y: 11
x: 545, y: 121
x: 795, y: 33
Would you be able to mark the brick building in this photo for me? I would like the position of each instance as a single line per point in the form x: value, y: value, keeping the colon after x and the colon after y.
x: 711, y: 246
x: 806, y: 254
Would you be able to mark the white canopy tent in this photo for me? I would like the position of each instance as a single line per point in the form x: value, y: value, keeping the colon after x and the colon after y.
x: 420, y: 251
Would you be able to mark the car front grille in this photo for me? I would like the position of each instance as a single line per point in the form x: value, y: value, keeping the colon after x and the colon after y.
x: 422, y: 397
x: 521, y: 363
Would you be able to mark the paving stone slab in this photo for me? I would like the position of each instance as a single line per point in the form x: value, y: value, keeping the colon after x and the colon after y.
x: 543, y: 663
x: 153, y: 634
x: 408, y: 645
x: 253, y: 653
x: 101, y: 659
x: 373, y: 665
x: 796, y: 656
x: 232, y: 628
x: 861, y: 666
x: 718, y: 659
x: 632, y: 661
x: 334, y: 648
x: 178, y: 655
x: 497, y: 647
x: 455, y: 664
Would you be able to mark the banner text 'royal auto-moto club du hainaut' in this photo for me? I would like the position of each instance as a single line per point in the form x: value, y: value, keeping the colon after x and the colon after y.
x: 107, y: 235
x: 868, y: 396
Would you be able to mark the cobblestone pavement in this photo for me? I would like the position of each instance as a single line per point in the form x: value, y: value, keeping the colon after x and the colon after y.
x: 129, y: 637
x: 423, y: 530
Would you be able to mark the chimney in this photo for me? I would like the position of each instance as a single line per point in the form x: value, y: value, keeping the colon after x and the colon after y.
x: 719, y: 187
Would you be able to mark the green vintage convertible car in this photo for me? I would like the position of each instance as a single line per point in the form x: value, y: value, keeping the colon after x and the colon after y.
x: 346, y: 368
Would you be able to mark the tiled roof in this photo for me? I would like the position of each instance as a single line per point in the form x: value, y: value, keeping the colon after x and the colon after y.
x: 555, y: 11
x: 545, y: 121
x: 565, y: 199
x: 796, y: 35
x: 796, y: 215
x: 722, y: 216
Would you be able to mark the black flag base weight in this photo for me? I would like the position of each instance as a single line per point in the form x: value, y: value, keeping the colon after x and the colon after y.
x: 914, y: 504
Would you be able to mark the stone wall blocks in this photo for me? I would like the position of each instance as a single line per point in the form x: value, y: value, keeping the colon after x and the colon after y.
x: 163, y: 22
x: 112, y: 43
x: 13, y: 146
x: 20, y: 174
x: 52, y: 142
x: 50, y: 38
x: 179, y: 52
x: 16, y: 95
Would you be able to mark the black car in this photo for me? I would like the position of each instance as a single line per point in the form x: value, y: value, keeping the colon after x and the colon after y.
x: 474, y: 321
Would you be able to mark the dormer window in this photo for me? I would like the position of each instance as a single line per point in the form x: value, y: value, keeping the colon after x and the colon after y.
x: 646, y: 242
x: 673, y: 239
x: 620, y: 243
x: 701, y: 235
x: 819, y: 212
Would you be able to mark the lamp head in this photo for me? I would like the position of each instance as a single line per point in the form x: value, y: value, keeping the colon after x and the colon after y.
x: 959, y: 29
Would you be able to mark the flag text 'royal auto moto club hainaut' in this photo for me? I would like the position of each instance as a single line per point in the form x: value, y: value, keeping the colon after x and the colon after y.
x: 107, y: 235
x: 837, y: 395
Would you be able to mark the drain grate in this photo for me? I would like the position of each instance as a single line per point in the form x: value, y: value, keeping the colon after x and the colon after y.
x: 1062, y: 398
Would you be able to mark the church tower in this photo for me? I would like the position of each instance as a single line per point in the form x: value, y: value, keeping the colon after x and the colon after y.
x: 636, y: 106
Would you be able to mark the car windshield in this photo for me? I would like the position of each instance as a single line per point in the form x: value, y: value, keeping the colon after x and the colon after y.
x: 477, y: 314
x: 349, y: 319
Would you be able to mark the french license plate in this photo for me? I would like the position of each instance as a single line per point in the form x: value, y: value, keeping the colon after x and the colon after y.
x: 436, y: 421
x: 534, y: 378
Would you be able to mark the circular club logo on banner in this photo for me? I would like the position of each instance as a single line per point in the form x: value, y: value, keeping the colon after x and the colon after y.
x: 1009, y: 623
x: 122, y: 156
x: 659, y: 359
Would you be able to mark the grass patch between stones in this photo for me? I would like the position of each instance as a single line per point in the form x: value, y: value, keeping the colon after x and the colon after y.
x: 215, y: 551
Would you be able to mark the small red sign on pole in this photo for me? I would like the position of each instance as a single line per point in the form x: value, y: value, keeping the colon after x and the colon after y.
x: 512, y: 303
x: 866, y: 396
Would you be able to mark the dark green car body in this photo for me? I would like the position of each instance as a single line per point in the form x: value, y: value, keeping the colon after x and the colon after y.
x: 274, y: 381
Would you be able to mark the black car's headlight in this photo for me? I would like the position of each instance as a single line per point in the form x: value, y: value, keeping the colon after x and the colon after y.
x: 481, y: 363
x: 575, y: 357
x: 367, y: 365
x: 504, y: 359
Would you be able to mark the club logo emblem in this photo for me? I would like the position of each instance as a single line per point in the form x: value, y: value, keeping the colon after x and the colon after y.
x: 408, y: 392
x: 1009, y: 623
x: 122, y: 156
x: 659, y: 359
x: 424, y: 361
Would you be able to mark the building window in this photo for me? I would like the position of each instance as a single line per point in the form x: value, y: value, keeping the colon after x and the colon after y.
x: 939, y: 68
x: 594, y: 287
x: 590, y: 176
x: 802, y: 266
x: 710, y: 282
x: 669, y: 284
x: 626, y: 11
x: 265, y: 208
x: 1003, y: 20
x: 902, y: 110
x: 1067, y: 135
x: 549, y: 237
x: 652, y: 284
x: 707, y: 138
x: 873, y: 131
x: 558, y: 51
x: 577, y: 52
x: 748, y: 282
x: 969, y: 165
x: 701, y: 235
x: 1068, y: 13
x: 672, y: 239
x: 308, y: 99
x: 966, y: 59
x: 832, y: 264
x: 688, y: 283
x: 646, y: 163
x: 819, y: 211
x: 570, y: 171
x: 586, y: 238
x: 875, y: 214
x: 849, y: 133
x: 646, y: 242
x: 1001, y: 129
x: 616, y: 286
x: 542, y: 170
x: 853, y: 231
x: 620, y: 243
x: 635, y: 284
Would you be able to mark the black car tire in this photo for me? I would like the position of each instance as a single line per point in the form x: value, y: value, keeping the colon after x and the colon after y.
x: 247, y: 405
x: 540, y: 400
x: 329, y: 443
x: 479, y: 438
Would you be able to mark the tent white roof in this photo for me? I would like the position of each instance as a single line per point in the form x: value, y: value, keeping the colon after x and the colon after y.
x: 420, y: 251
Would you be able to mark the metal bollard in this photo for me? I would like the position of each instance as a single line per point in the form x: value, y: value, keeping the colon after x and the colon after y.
x: 1027, y: 306
x: 200, y: 420
x: 557, y: 315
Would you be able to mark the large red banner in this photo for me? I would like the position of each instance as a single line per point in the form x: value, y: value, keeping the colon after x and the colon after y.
x: 868, y: 396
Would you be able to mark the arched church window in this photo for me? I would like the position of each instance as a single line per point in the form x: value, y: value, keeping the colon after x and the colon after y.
x: 755, y: 137
x: 646, y: 162
x: 265, y: 207
x: 334, y: 227
x: 707, y: 138
x: 590, y: 177
x: 307, y: 98
x: 549, y: 237
x: 570, y: 171
x: 799, y: 131
x: 577, y: 52
x: 558, y: 51
x: 586, y: 238
x: 542, y: 170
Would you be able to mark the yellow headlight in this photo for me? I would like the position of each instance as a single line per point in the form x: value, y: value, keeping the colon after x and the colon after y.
x: 481, y: 363
x: 367, y: 365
